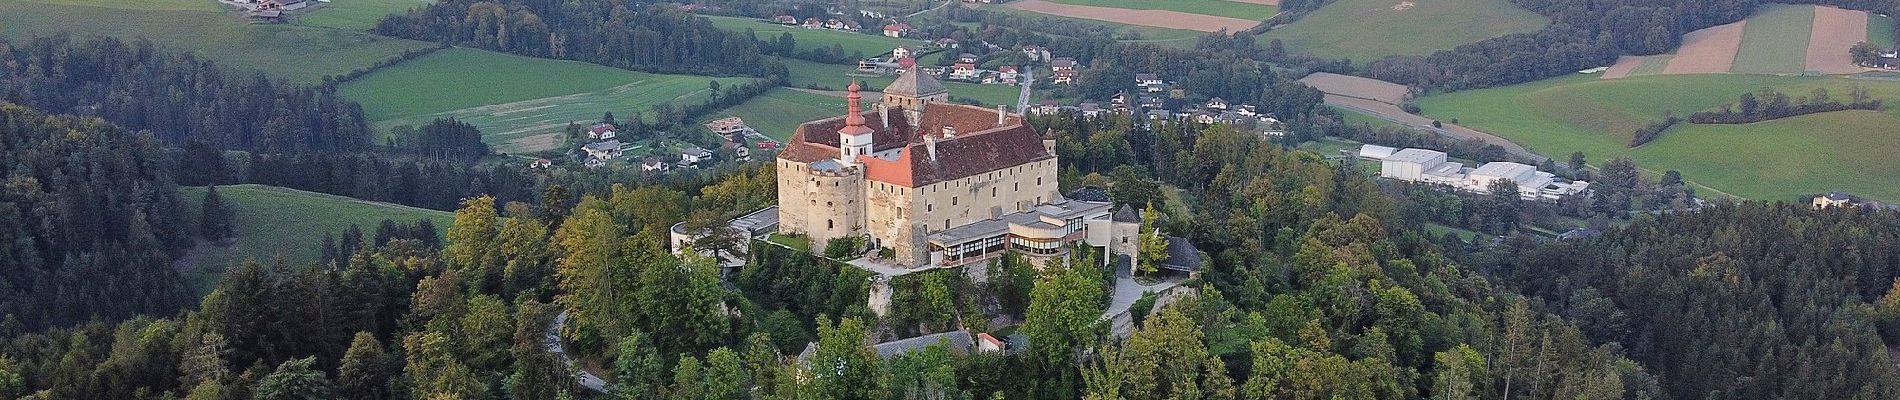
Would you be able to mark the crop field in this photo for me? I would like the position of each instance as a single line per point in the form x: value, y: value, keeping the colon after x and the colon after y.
x: 273, y: 221
x: 1776, y: 40
x: 778, y: 112
x: 1145, y: 16
x: 300, y: 54
x: 1367, y: 30
x: 837, y: 77
x: 867, y: 44
x: 1773, y: 160
x: 1880, y: 30
x: 1218, y: 8
x: 359, y: 15
x: 520, y: 103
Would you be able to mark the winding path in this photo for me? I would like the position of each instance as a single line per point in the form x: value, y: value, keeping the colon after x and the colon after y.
x: 559, y: 348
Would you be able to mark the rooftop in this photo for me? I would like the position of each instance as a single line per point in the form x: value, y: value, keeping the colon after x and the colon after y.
x: 1182, y: 256
x: 915, y: 84
x: 1416, y: 155
x: 1061, y: 210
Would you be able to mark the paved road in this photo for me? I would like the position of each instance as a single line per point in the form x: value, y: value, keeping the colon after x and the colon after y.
x: 1028, y: 80
x: 559, y: 348
x: 939, y: 6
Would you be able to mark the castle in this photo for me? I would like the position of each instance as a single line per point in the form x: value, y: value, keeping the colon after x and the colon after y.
x: 934, y: 183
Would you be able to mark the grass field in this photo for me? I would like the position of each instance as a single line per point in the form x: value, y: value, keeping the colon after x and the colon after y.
x: 301, y: 54
x: 1776, y: 40
x: 778, y: 112
x: 273, y: 221
x: 1366, y: 30
x: 148, y: 5
x: 868, y: 45
x: 1356, y: 117
x: 1880, y: 30
x: 1176, y: 38
x: 360, y: 15
x: 518, y: 102
x: 1221, y: 8
x: 1775, y: 160
x: 837, y: 77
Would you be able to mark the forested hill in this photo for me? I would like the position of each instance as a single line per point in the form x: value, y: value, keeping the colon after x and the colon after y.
x: 606, y: 32
x: 1582, y: 34
x: 1736, y: 302
x: 178, y: 96
x: 89, y: 223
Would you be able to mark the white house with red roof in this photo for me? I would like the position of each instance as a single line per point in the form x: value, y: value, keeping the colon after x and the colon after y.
x: 897, y: 29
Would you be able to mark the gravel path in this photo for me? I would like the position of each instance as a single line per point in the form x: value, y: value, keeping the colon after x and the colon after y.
x: 559, y: 348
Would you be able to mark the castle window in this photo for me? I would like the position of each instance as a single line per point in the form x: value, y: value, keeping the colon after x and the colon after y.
x: 946, y: 224
x: 992, y: 192
x: 1038, y: 181
x: 930, y: 207
x: 1016, y: 186
x: 953, y: 200
x: 830, y: 225
x: 827, y: 204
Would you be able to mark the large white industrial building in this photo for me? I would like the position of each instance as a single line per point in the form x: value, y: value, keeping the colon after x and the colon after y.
x: 1431, y: 166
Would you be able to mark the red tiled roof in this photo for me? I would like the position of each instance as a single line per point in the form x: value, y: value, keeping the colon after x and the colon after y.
x: 980, y: 145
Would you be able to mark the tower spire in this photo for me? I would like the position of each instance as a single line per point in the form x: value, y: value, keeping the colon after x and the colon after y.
x: 854, y: 139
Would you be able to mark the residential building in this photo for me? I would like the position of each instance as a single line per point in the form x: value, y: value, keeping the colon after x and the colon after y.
x: 897, y: 29
x: 692, y: 155
x: 604, y: 150
x: 601, y: 131
x: 1152, y: 82
x: 655, y: 164
x: 785, y: 20
x: 962, y: 70
x: 966, y: 58
x: 1007, y: 74
x: 1036, y: 53
x: 902, y: 52
x: 1217, y: 104
x: 1063, y: 64
x: 1063, y: 77
x: 1833, y: 199
x: 947, y: 43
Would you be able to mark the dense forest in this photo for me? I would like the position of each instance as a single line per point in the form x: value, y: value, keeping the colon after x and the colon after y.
x: 1582, y: 34
x: 89, y: 223
x: 611, y: 33
x: 177, y: 96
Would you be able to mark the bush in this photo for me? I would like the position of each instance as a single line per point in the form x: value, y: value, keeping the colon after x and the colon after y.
x: 844, y: 247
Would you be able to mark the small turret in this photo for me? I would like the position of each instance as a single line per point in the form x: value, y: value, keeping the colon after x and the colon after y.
x: 854, y: 139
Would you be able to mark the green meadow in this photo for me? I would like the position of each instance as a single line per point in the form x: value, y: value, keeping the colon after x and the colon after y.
x: 1774, y: 160
x: 1175, y: 38
x: 300, y: 54
x: 777, y: 112
x: 1880, y: 30
x: 807, y: 74
x: 1367, y: 30
x: 520, y: 103
x: 1219, y: 8
x: 360, y: 15
x: 274, y: 221
x: 869, y: 45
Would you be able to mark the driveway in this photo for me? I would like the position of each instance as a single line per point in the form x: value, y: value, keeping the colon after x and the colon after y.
x: 559, y: 348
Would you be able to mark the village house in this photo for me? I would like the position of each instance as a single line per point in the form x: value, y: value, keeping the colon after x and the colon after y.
x: 813, y: 23
x: 897, y: 29
x: 835, y: 24
x: 947, y: 43
x: 1062, y: 64
x: 1089, y: 109
x: 901, y: 52
x: 966, y: 58
x: 278, y: 5
x: 785, y: 20
x: 1036, y: 53
x: 1120, y: 98
x: 601, y: 131
x: 1216, y: 103
x: 739, y: 151
x: 541, y: 163
x: 962, y: 70
x: 1064, y: 77
x: 1833, y: 199
x: 1151, y: 82
x: 598, y: 153
x: 655, y: 164
x: 1007, y: 74
x: 691, y: 156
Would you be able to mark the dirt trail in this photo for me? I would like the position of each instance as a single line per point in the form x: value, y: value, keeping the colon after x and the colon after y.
x: 1707, y: 51
x: 1835, y: 31
x: 1275, y: 3
x: 1154, y: 18
x: 1353, y: 86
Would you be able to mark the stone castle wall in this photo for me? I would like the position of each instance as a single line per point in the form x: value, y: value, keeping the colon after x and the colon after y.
x: 824, y: 205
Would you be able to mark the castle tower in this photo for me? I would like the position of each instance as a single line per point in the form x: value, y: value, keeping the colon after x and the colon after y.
x: 854, y: 139
x: 912, y: 90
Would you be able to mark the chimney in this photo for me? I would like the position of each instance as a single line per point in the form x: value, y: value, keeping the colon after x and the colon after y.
x: 949, y: 132
x: 885, y: 112
x: 930, y: 147
x: 1000, y: 115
